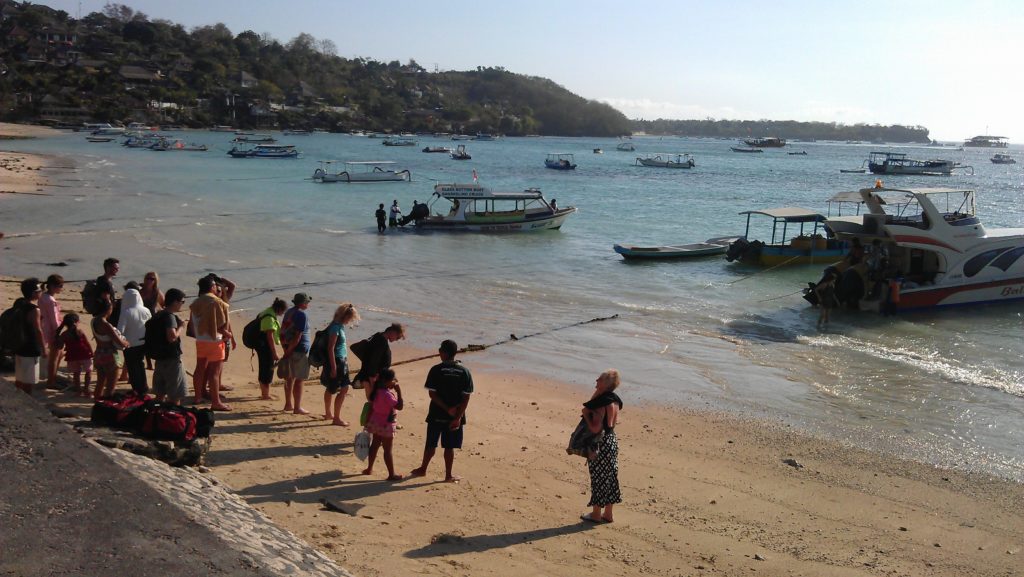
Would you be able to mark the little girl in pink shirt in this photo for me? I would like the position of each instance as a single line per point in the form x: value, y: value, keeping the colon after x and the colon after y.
x: 386, y: 401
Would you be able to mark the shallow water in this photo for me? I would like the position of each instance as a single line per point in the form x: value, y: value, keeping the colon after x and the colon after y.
x: 944, y: 387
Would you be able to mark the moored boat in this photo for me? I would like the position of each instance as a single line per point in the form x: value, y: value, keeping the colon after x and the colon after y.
x: 99, y: 138
x: 399, y: 142
x: 626, y: 146
x: 177, y: 144
x: 791, y: 242
x: 926, y: 256
x: 254, y: 138
x: 986, y: 141
x: 748, y: 150
x: 361, y: 171
x: 443, y: 149
x: 1001, y: 158
x: 664, y: 160
x: 710, y: 247
x: 460, y: 153
x: 560, y: 161
x: 265, y: 151
x: 766, y: 142
x: 898, y: 163
x: 475, y: 208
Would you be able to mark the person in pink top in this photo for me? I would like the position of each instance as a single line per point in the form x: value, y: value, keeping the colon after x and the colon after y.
x: 386, y: 401
x: 50, y: 319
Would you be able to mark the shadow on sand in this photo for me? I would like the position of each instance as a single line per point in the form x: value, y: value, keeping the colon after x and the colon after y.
x: 449, y: 544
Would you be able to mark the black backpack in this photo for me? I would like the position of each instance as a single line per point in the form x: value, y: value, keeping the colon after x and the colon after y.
x: 91, y: 297
x: 318, y: 350
x: 155, y: 342
x: 251, y: 333
x: 13, y: 329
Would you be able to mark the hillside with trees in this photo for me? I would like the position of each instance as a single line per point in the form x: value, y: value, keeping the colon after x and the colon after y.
x: 117, y: 66
x: 789, y: 129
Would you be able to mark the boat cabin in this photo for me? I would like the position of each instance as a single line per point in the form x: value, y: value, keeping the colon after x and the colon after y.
x: 560, y: 161
x: 797, y: 237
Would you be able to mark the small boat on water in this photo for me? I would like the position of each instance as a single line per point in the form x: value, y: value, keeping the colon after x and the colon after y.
x: 264, y: 151
x: 460, y: 153
x: 853, y: 170
x: 484, y: 136
x: 679, y: 160
x: 598, y: 151
x: 361, y: 171
x: 177, y: 144
x: 898, y: 163
x: 296, y: 132
x: 801, y: 153
x: 791, y: 241
x: 626, y: 146
x: 1001, y: 158
x: 99, y: 138
x: 461, y: 137
x: 766, y: 142
x: 710, y: 247
x: 443, y: 149
x: 933, y: 252
x: 560, y: 161
x: 254, y: 138
x: 399, y: 142
x: 747, y: 150
x: 475, y: 208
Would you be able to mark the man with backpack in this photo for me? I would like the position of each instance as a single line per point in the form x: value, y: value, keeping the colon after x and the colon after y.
x: 374, y: 355
x: 294, y: 365
x: 163, y: 344
x: 23, y: 333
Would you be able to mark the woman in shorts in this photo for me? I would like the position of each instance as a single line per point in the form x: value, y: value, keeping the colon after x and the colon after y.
x: 334, y: 377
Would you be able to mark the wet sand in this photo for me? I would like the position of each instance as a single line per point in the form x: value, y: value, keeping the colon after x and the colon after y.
x: 703, y: 493
x: 20, y: 173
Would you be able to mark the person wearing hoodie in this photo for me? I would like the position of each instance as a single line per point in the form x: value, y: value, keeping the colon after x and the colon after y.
x: 132, y: 324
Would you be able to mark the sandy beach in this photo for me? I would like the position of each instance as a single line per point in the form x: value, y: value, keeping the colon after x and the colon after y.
x: 703, y: 493
x: 21, y: 172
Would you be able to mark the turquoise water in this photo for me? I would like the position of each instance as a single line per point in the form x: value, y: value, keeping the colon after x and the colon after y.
x: 945, y: 387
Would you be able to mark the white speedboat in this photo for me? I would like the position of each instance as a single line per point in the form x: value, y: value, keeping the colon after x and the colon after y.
x: 361, y: 171
x: 933, y: 251
x: 666, y: 161
x: 475, y: 208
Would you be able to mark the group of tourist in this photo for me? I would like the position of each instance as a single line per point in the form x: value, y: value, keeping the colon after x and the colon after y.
x: 122, y: 326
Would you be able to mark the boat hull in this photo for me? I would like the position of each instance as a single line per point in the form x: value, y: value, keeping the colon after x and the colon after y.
x: 925, y: 167
x: 994, y: 291
x: 697, y: 250
x: 529, y: 224
x: 388, y: 176
x: 664, y: 164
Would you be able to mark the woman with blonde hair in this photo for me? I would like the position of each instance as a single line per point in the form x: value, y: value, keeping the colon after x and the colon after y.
x: 601, y: 413
x: 334, y: 377
x: 152, y: 299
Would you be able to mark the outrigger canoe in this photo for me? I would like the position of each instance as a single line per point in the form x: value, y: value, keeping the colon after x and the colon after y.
x: 710, y: 247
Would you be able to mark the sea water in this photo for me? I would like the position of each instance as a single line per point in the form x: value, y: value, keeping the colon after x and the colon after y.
x: 944, y: 387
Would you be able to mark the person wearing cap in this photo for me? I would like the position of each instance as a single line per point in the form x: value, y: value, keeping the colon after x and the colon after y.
x: 449, y: 385
x: 211, y: 328
x: 294, y: 365
x: 26, y: 358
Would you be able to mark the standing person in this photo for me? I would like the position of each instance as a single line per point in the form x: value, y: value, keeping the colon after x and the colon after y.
x: 266, y: 348
x: 33, y: 346
x: 394, y: 214
x: 50, y: 317
x: 386, y: 401
x: 334, y: 376
x: 73, y: 340
x: 225, y: 289
x: 378, y: 356
x: 132, y: 324
x: 152, y: 299
x: 105, y: 283
x: 826, y: 291
x: 108, y: 358
x: 294, y: 367
x: 382, y: 217
x: 602, y: 413
x: 210, y: 325
x: 169, y: 375
x: 449, y: 384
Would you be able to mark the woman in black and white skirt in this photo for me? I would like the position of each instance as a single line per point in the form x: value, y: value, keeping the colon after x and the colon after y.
x: 601, y: 413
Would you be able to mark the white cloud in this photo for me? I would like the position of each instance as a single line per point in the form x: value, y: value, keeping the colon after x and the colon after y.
x: 650, y: 110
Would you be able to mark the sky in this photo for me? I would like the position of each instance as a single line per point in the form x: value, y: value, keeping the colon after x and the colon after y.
x: 953, y: 67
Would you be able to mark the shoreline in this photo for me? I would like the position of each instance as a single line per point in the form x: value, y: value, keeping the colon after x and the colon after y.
x: 17, y: 168
x: 702, y: 491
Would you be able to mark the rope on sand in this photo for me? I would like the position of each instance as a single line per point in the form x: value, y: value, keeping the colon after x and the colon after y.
x: 781, y: 296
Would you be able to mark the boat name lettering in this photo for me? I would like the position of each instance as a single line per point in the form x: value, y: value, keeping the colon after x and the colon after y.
x: 1013, y: 291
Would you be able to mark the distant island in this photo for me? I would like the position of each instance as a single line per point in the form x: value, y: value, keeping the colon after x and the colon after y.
x: 118, y: 66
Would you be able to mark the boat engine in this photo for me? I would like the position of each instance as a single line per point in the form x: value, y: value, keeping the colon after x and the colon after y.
x: 741, y: 248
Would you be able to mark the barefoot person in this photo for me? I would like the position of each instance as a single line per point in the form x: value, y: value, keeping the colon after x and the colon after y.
x: 602, y: 413
x: 132, y: 324
x: 209, y: 322
x: 294, y: 367
x: 109, y: 356
x: 169, y: 375
x: 334, y: 376
x: 266, y: 347
x: 50, y: 318
x: 386, y: 401
x: 78, y: 352
x: 152, y: 299
x: 449, y: 385
x: 378, y: 356
x: 33, y: 345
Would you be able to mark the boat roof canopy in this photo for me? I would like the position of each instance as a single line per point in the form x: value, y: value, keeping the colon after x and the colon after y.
x: 454, y: 191
x: 789, y: 214
x: 892, y: 195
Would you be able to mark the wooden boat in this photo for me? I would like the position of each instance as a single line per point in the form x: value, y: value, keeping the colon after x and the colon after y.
x: 853, y: 170
x: 1001, y: 158
x: 99, y: 138
x: 475, y: 208
x: 898, y: 163
x: 443, y: 149
x: 710, y: 247
x: 734, y: 149
x: 254, y: 138
x: 560, y: 161
x: 460, y: 153
x: 265, y: 151
x: 791, y: 242
x: 361, y: 171
x: 598, y: 151
x: 801, y: 153
x: 625, y: 147
x: 766, y: 142
x: 667, y: 161
x: 177, y: 144
x: 399, y: 142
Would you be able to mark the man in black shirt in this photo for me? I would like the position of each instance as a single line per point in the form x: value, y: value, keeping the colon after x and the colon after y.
x: 449, y: 384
